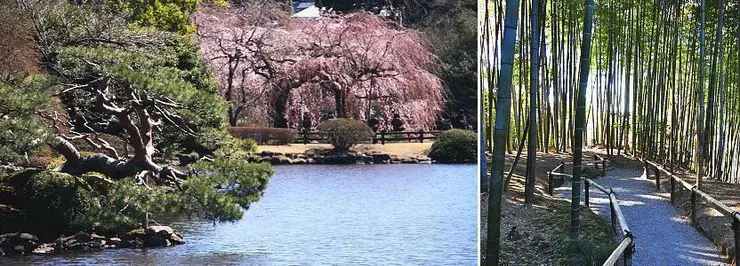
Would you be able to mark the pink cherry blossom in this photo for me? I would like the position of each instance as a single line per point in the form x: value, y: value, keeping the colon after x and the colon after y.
x: 271, y: 66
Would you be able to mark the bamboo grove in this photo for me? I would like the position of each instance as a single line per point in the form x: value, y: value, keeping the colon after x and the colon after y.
x: 653, y: 79
x: 661, y: 78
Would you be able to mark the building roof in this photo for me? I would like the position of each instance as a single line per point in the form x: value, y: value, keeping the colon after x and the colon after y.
x: 300, y: 5
x: 309, y: 12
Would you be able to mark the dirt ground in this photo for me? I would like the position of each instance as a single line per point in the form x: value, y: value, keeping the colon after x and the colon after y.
x: 538, y: 234
x: 397, y: 149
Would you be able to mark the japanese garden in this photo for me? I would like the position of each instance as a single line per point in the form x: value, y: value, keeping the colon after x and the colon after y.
x: 244, y: 131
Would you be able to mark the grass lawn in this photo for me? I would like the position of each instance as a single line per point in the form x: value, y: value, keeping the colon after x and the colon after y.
x: 397, y: 149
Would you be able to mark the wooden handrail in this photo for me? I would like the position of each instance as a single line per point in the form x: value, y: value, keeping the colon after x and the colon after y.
x: 717, y: 204
x: 561, y: 174
x: 585, y: 162
x: 380, y: 136
x: 387, y: 132
x: 726, y: 210
x: 554, y: 172
x: 626, y: 243
x: 597, y: 186
x: 681, y: 181
x: 625, y: 247
x: 620, y: 216
x: 558, y: 167
x: 723, y: 208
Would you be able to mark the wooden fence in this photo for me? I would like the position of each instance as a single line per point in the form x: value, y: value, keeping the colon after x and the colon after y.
x: 559, y: 171
x: 695, y: 192
x: 380, y: 137
x: 626, y: 246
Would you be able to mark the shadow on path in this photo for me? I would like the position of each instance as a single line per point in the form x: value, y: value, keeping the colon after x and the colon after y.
x: 662, y: 236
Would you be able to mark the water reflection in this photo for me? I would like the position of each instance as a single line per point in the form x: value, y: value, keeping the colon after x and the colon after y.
x: 319, y: 214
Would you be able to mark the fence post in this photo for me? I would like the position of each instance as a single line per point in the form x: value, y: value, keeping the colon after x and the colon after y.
x: 736, y: 228
x: 586, y: 189
x: 603, y: 167
x: 693, y: 205
x: 382, y: 137
x: 673, y: 183
x: 657, y: 178
x: 421, y: 136
x: 549, y: 182
x: 613, y: 213
x: 305, y: 136
x: 646, y: 171
x: 628, y: 252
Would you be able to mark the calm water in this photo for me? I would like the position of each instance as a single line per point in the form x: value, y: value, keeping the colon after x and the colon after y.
x: 320, y: 214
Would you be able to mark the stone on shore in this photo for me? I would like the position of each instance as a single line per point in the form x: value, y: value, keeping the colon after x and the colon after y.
x: 380, y: 158
x: 44, y: 249
x: 160, y: 230
x: 154, y: 236
x: 25, y: 243
x: 18, y: 243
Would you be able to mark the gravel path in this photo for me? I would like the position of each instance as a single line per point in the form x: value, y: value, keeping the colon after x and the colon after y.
x: 662, y: 236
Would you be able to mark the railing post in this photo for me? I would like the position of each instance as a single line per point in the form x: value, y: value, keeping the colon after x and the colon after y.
x: 549, y: 182
x: 305, y: 136
x: 613, y: 213
x: 628, y: 252
x: 646, y: 171
x: 657, y: 178
x: 382, y: 137
x: 736, y: 228
x: 673, y: 183
x: 586, y: 189
x: 603, y: 167
x: 421, y: 136
x: 693, y: 205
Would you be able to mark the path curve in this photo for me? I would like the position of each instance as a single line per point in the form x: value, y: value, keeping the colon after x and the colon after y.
x: 662, y: 236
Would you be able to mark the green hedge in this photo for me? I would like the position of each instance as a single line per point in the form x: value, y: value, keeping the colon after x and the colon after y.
x: 343, y: 133
x: 266, y: 135
x: 455, y: 146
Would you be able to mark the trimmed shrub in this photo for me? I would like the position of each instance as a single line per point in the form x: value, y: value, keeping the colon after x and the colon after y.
x: 455, y: 146
x: 343, y: 133
x: 265, y: 135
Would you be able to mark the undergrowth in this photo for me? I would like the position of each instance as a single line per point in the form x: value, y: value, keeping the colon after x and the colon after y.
x: 592, y: 247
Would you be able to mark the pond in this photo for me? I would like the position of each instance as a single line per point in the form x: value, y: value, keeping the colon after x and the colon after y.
x: 328, y: 214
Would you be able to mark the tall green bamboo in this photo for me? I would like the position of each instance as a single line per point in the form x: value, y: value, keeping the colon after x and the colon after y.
x: 503, y: 111
x: 700, y: 99
x: 482, y: 138
x: 708, y: 125
x: 580, y: 122
x: 533, y: 91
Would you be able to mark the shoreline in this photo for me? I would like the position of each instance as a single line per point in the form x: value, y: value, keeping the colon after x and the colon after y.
x: 26, y: 244
x: 391, y: 153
